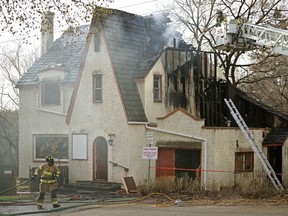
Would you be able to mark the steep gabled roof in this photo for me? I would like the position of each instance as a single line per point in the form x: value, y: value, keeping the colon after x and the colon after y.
x: 134, y: 42
x: 66, y: 52
x: 134, y: 47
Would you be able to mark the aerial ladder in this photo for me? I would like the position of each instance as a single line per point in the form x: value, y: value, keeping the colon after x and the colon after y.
x: 241, y: 36
x: 238, y: 36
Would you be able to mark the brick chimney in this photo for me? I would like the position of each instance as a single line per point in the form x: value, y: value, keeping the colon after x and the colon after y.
x: 47, y: 31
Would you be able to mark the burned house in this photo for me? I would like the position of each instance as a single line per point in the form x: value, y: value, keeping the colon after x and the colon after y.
x: 96, y: 99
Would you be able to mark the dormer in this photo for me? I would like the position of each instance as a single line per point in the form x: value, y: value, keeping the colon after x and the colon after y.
x: 50, y: 89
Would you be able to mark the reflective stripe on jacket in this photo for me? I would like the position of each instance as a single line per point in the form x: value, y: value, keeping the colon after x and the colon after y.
x: 48, y: 173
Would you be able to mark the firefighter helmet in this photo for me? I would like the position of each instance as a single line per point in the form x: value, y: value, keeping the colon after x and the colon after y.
x: 49, y: 160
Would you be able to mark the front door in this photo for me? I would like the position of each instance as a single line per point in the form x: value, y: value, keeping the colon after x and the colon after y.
x: 100, y: 156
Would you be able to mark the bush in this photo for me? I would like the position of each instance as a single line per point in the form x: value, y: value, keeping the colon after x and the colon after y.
x: 254, y: 185
x: 247, y: 185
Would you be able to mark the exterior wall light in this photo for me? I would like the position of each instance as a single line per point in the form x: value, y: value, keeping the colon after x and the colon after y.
x: 111, y: 139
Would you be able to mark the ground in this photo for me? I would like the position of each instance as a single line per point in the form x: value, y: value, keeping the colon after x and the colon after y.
x: 152, y: 204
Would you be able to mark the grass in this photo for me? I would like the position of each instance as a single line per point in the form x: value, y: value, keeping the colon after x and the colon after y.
x: 245, y: 185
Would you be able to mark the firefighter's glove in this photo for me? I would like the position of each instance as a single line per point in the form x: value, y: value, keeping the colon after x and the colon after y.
x: 55, y: 176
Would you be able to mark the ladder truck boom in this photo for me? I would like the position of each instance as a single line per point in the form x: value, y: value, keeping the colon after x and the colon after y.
x: 237, y: 36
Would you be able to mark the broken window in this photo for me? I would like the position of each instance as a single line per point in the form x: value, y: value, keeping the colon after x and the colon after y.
x: 97, y: 88
x: 244, y: 162
x: 157, y: 93
x: 50, y: 93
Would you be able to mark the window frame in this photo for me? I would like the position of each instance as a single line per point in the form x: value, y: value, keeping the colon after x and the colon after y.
x: 157, y: 90
x: 97, y: 89
x: 242, y: 164
x: 48, y: 150
x: 44, y: 95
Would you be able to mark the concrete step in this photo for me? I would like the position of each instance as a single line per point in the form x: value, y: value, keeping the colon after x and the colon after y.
x: 92, y: 186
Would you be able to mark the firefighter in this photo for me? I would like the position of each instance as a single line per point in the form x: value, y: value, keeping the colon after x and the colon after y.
x: 49, y: 174
x: 220, y: 18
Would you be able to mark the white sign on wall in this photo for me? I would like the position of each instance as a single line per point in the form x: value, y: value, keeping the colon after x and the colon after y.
x: 79, y: 143
x: 149, y: 138
x: 150, y: 153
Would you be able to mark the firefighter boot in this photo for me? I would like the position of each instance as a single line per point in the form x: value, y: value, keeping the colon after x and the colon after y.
x: 40, y: 200
x: 56, y: 205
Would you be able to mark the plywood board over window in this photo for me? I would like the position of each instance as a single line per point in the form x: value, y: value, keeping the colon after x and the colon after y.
x: 79, y: 147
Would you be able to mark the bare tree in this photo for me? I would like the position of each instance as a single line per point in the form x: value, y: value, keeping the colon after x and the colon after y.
x: 14, y: 61
x: 23, y: 17
x: 9, y: 139
x: 198, y: 19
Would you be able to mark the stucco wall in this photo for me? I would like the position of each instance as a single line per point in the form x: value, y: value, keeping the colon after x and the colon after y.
x: 154, y: 109
x: 224, y: 142
x: 34, y: 121
x: 99, y: 119
x: 221, y: 145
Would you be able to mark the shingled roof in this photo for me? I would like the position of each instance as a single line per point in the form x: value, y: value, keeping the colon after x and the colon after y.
x: 277, y: 136
x: 130, y: 40
x: 66, y: 53
x: 134, y: 43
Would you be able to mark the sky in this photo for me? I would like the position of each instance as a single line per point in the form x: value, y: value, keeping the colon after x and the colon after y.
x: 140, y: 7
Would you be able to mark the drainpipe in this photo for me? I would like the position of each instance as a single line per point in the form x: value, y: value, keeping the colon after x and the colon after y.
x: 204, y: 141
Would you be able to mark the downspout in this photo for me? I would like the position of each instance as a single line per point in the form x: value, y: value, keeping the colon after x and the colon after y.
x: 204, y: 141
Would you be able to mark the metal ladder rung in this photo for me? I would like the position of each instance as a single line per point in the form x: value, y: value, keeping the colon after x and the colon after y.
x: 251, y: 140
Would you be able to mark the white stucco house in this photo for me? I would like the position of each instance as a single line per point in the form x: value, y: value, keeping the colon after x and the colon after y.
x: 97, y: 97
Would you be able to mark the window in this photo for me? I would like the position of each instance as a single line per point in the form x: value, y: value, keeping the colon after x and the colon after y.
x: 244, y: 161
x: 97, y: 88
x: 50, y: 93
x: 157, y: 93
x: 97, y: 42
x: 55, y: 145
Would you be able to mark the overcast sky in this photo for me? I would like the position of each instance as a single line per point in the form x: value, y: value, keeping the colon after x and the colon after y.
x: 140, y: 7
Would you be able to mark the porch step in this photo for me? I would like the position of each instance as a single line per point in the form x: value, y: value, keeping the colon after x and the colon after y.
x: 92, y: 186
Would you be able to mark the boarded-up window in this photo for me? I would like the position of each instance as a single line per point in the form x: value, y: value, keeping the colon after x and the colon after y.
x: 244, y: 162
x: 157, y: 88
x: 97, y: 88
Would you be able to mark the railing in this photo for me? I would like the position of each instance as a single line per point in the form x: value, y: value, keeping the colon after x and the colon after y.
x: 118, y: 165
